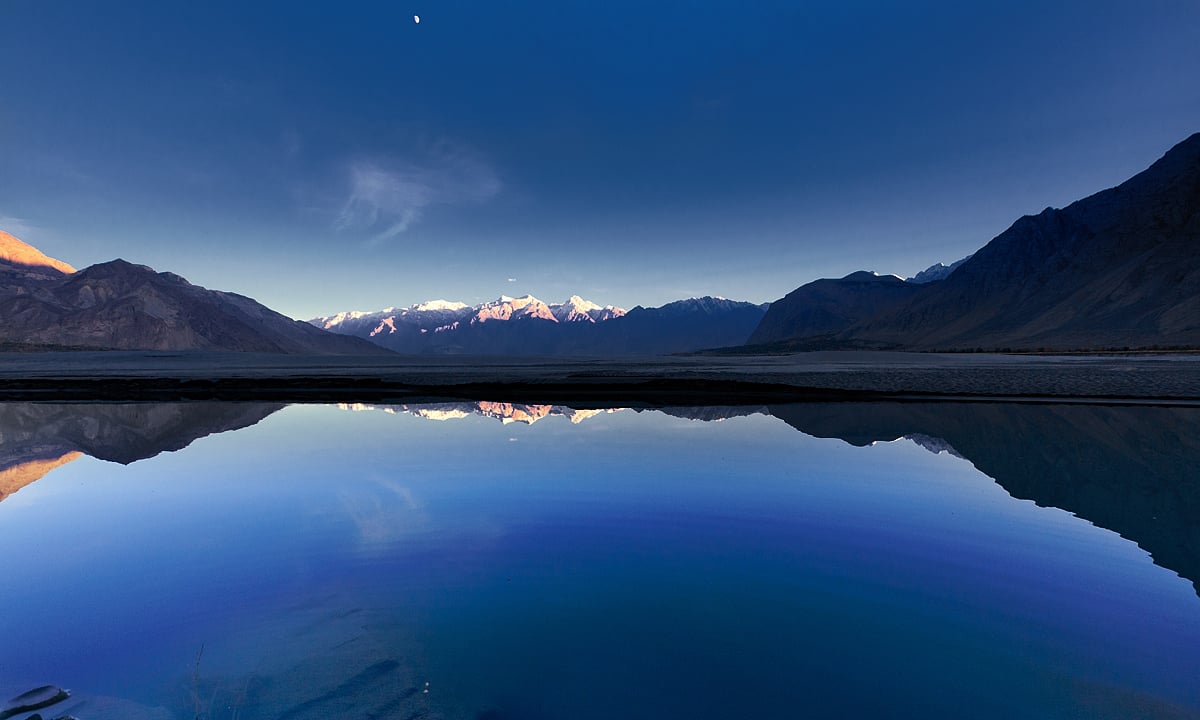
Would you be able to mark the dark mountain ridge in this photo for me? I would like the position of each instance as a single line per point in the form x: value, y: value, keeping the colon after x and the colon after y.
x: 1118, y: 269
x: 121, y: 306
x: 680, y: 326
x: 829, y: 306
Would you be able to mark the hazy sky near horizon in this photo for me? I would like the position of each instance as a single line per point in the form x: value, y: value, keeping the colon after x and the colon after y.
x: 323, y: 157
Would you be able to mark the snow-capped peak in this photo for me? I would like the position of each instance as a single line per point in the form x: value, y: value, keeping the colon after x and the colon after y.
x: 511, y: 308
x: 430, y: 305
x: 576, y: 309
x: 940, y: 271
x: 441, y: 315
x: 333, y: 321
x: 580, y: 304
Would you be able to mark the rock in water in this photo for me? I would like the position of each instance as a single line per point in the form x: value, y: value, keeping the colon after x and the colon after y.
x: 35, y: 699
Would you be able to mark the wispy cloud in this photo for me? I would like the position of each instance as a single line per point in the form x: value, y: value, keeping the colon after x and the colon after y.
x: 387, y: 195
x: 17, y: 227
x: 383, y: 511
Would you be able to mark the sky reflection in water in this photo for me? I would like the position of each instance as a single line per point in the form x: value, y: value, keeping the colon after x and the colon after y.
x: 634, y: 564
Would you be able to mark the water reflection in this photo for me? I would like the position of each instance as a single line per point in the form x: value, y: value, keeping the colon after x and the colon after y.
x: 543, y: 561
x: 1129, y: 469
x: 505, y: 412
x: 36, y: 438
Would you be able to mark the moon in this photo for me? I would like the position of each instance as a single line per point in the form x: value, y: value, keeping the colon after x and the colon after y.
x: 417, y: 19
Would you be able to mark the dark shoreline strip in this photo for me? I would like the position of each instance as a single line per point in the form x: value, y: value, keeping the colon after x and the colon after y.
x: 659, y: 392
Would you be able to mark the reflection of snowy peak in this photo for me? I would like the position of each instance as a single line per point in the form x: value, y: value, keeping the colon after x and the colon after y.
x: 935, y: 445
x: 502, y: 411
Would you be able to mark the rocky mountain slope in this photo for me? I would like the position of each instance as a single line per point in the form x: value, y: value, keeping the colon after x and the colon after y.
x: 1119, y: 269
x: 680, y: 326
x: 829, y: 306
x: 21, y: 256
x: 939, y: 271
x: 119, y: 305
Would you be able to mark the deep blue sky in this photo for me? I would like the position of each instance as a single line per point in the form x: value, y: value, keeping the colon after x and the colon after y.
x: 323, y: 157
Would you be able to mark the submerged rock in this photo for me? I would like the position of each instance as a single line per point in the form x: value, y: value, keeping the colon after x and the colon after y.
x: 35, y: 699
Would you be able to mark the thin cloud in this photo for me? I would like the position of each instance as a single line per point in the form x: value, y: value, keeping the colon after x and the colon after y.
x: 17, y: 227
x: 387, y: 196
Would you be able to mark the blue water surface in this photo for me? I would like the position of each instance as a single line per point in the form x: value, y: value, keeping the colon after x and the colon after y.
x: 329, y: 563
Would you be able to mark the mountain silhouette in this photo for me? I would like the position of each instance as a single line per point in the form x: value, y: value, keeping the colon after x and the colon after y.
x: 1119, y: 269
x: 121, y: 306
x: 829, y: 306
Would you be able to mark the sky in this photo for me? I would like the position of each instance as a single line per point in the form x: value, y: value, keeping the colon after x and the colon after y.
x: 322, y: 157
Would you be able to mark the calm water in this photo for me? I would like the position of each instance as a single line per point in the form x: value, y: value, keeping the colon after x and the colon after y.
x: 881, y: 561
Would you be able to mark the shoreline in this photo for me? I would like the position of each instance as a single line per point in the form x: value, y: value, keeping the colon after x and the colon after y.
x: 850, y: 376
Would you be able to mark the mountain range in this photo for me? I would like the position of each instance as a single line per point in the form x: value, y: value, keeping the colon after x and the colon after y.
x: 528, y: 326
x: 438, y: 316
x: 1116, y: 270
x: 46, y: 304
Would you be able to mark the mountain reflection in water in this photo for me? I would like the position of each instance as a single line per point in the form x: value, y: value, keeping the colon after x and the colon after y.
x: 330, y: 563
x: 36, y: 438
x: 1129, y: 469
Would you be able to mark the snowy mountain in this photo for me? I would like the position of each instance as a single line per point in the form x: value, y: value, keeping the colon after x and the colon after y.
x: 444, y: 316
x: 422, y: 317
x: 576, y: 309
x: 507, y: 325
x: 527, y: 326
